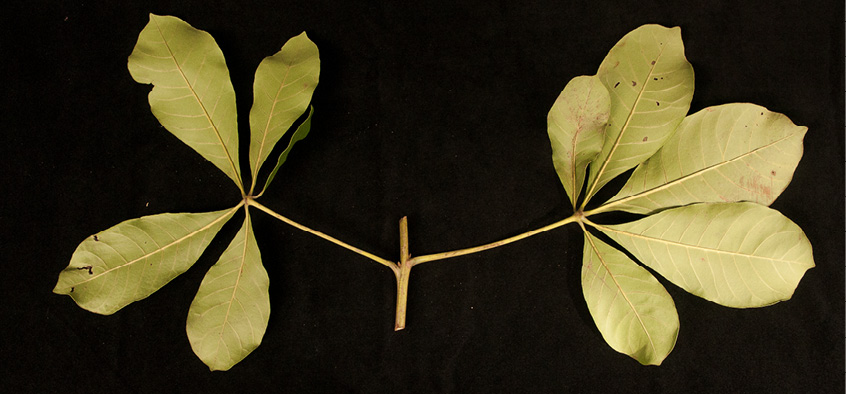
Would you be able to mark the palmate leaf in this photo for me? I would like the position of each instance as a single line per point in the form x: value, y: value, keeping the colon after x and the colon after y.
x: 192, y: 95
x: 133, y: 259
x: 732, y: 152
x: 651, y: 85
x: 634, y: 313
x: 735, y: 254
x: 282, y: 89
x: 229, y: 315
x: 576, y: 127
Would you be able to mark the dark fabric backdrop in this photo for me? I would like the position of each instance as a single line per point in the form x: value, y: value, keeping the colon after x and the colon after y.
x: 434, y: 110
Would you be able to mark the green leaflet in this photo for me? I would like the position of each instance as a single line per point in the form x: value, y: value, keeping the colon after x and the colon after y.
x: 735, y: 254
x: 732, y: 152
x: 133, y: 259
x: 651, y: 85
x: 634, y: 313
x: 192, y: 96
x: 281, y: 92
x: 229, y: 315
x: 576, y: 127
x: 299, y: 134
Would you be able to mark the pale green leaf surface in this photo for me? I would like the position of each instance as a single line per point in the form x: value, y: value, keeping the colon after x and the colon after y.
x: 133, y: 259
x: 735, y: 254
x: 299, y: 134
x: 651, y: 85
x: 229, y: 315
x: 728, y: 153
x: 192, y: 95
x: 631, y: 309
x: 576, y: 127
x: 282, y: 89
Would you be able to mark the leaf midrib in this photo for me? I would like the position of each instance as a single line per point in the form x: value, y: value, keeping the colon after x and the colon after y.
x: 282, y: 85
x: 202, y: 106
x: 620, y: 289
x: 693, y: 174
x: 161, y: 249
x: 247, y: 227
x: 574, y: 152
x: 624, y: 128
x: 697, y: 247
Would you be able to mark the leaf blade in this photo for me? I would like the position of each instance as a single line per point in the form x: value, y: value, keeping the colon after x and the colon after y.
x: 576, y: 127
x: 631, y: 309
x: 279, y: 101
x: 299, y: 134
x: 729, y: 153
x: 110, y: 269
x: 735, y: 254
x: 651, y: 85
x: 192, y: 95
x: 223, y: 325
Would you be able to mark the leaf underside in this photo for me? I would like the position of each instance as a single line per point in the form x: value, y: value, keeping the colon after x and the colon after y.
x: 229, y: 315
x: 192, y: 95
x: 133, y: 259
x: 576, y: 127
x: 702, y: 234
x: 632, y: 310
x: 728, y: 153
x: 735, y: 254
x: 650, y: 84
x: 283, y: 87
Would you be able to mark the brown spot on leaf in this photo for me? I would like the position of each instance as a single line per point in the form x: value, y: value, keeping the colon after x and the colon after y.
x: 761, y: 191
x: 616, y: 84
x: 96, y: 238
x: 773, y: 173
x: 655, y: 78
x: 645, y: 139
x: 657, y: 104
x: 71, y: 289
x: 87, y: 267
x: 634, y: 83
x: 653, y: 62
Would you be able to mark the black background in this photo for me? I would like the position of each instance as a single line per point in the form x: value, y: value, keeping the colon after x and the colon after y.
x: 434, y: 111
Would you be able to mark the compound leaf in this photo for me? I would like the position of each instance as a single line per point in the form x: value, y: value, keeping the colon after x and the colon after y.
x: 299, y: 134
x: 729, y: 153
x: 192, y: 95
x: 282, y: 89
x: 133, y: 259
x: 735, y: 254
x: 651, y: 85
x: 576, y: 127
x: 632, y: 310
x: 229, y: 315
